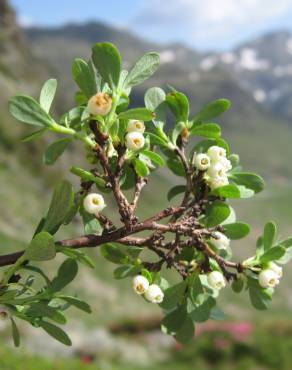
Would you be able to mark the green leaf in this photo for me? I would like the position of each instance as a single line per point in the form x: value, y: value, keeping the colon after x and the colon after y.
x: 88, y: 176
x: 236, y: 230
x: 78, y: 255
x: 179, y: 105
x: 61, y: 204
x: 237, y: 285
x: 173, y: 295
x: 212, y: 110
x: 259, y: 297
x: 34, y: 135
x: 142, y: 114
x: 125, y: 271
x: 269, y: 237
x: 73, y: 301
x: 107, y: 61
x: 143, y: 69
x: 273, y: 254
x: 203, y: 311
x: 91, y: 223
x: 249, y: 180
x: 154, y: 157
x: 41, y: 248
x: 286, y: 257
x: 155, y: 101
x: 175, y: 320
x: 176, y: 167
x: 41, y: 309
x: 157, y: 140
x: 55, y: 150
x: 216, y: 213
x: 186, y: 332
x: 211, y: 130
x: 47, y: 94
x: 113, y: 253
x: 56, y: 332
x: 15, y: 333
x: 141, y: 168
x: 27, y: 110
x: 178, y: 189
x: 84, y: 76
x: 66, y: 273
x: 227, y: 191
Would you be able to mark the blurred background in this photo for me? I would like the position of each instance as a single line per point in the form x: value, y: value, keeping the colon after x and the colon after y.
x: 238, y: 50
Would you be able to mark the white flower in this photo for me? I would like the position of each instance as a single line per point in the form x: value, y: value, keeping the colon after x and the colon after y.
x: 202, y: 161
x: 135, y: 140
x: 93, y: 203
x: 268, y: 279
x: 216, y: 153
x: 222, y: 242
x: 276, y: 268
x: 226, y: 164
x: 217, y: 171
x: 154, y: 294
x: 4, y: 313
x: 99, y: 104
x: 136, y: 125
x: 217, y: 182
x: 216, y: 280
x: 140, y: 284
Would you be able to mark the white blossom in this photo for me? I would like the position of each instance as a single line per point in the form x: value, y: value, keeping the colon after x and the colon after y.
x: 135, y: 140
x: 93, y: 203
x: 154, y: 294
x: 216, y: 280
x: 216, y: 153
x: 202, y: 161
x: 268, y: 279
x: 222, y: 242
x: 217, y: 182
x: 217, y: 170
x: 99, y: 104
x: 136, y: 125
x: 226, y: 164
x: 140, y: 284
x: 276, y: 268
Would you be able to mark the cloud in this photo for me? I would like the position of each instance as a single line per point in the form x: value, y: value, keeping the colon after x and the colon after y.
x: 197, y: 21
x: 25, y: 21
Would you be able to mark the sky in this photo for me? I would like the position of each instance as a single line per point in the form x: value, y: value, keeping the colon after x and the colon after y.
x: 205, y: 25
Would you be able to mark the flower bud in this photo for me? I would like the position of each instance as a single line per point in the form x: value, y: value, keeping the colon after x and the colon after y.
x: 135, y: 141
x: 202, y: 161
x: 216, y: 280
x: 4, y: 313
x: 268, y: 279
x: 276, y: 268
x: 222, y: 242
x: 140, y: 284
x: 99, y: 104
x: 216, y: 153
x: 136, y: 125
x: 93, y: 203
x: 154, y: 294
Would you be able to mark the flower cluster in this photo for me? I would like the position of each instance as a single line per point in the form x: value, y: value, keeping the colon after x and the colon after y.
x: 152, y: 293
x: 134, y: 137
x: 270, y: 276
x: 215, y: 164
